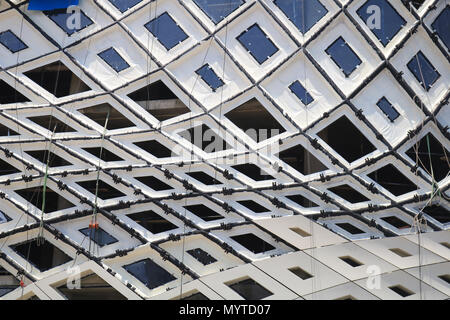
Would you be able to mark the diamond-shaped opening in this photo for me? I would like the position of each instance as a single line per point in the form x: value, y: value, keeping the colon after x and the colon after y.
x: 202, y: 256
x: 253, y: 171
x: 263, y: 125
x: 440, y: 26
x: 196, y: 296
x: 301, y: 160
x: 203, y: 178
x: 6, y: 168
x: 390, y: 24
x: 53, y: 201
x: 425, y: 73
x: 149, y: 273
x: 348, y: 193
x: 217, y: 10
x: 415, y: 3
x: 52, y: 124
x: 43, y: 256
x: 401, y: 290
x: 351, y: 261
x: 6, y: 132
x: 57, y: 79
x: 429, y: 149
x: 105, y: 191
x: 249, y: 289
x: 253, y: 206
x: 8, y: 282
x: 438, y: 212
x: 400, y: 252
x: 299, y: 272
x: 203, y: 212
x: 445, y: 277
x: 155, y: 148
x: 205, y: 138
x: 152, y: 221
x: 346, y: 139
x: 53, y: 159
x: 158, y: 100
x: 303, y: 201
x: 304, y: 14
x: 350, y: 228
x: 253, y: 243
x: 10, y: 95
x: 99, y: 114
x: 396, y: 222
x: 392, y: 180
x: 92, y: 287
x: 103, y: 154
x: 154, y: 183
x: 99, y: 236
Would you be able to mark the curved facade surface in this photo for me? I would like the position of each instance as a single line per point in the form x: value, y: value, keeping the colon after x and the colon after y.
x: 226, y: 149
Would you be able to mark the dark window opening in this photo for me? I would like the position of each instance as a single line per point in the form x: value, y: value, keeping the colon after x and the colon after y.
x: 350, y: 228
x: 57, y: 79
x: 99, y: 236
x: 11, y: 41
x: 400, y: 252
x: 53, y: 201
x: 93, y: 287
x: 210, y: 77
x: 114, y: 59
x: 205, y: 138
x: 124, y: 5
x: 301, y: 93
x: 416, y: 3
x: 351, y: 261
x: 346, y: 139
x: 196, y: 296
x: 202, y: 256
x: 5, y: 131
x: 152, y: 221
x: 253, y: 243
x: 60, y: 17
x: 388, y: 109
x: 299, y: 272
x: 348, y: 193
x: 158, y: 100
x: 300, y: 232
x: 344, y: 56
x: 203, y: 178
x: 3, y: 219
x: 391, y: 22
x: 263, y: 125
x: 304, y: 14
x: 154, y: 148
x: 43, y: 256
x: 249, y: 289
x: 257, y: 43
x: 99, y: 113
x: 438, y: 213
x: 301, y: 160
x: 53, y: 159
x: 103, y: 154
x: 154, y: 183
x: 347, y: 297
x: 203, y: 212
x: 441, y: 26
x: 253, y: 206
x: 149, y: 273
x: 105, y: 191
x: 6, y: 168
x: 396, y: 222
x: 446, y: 244
x: 217, y: 10
x: 166, y: 31
x: 423, y: 70
x: 10, y: 95
x: 52, y: 124
x: 429, y: 149
x: 392, y: 180
x: 302, y: 201
x: 253, y: 171
x: 402, y: 291
x: 445, y: 277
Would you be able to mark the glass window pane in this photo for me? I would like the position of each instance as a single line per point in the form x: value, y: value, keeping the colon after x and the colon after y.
x: 149, y: 273
x: 442, y: 26
x: 124, y: 5
x: 257, y: 43
x: 166, y: 30
x: 210, y: 77
x: 303, y: 13
x: 423, y: 70
x: 60, y: 17
x: 388, y: 109
x: 345, y: 58
x: 217, y: 10
x: 301, y: 93
x: 113, y: 59
x: 202, y: 256
x: 249, y: 289
x: 99, y: 236
x: 12, y: 42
